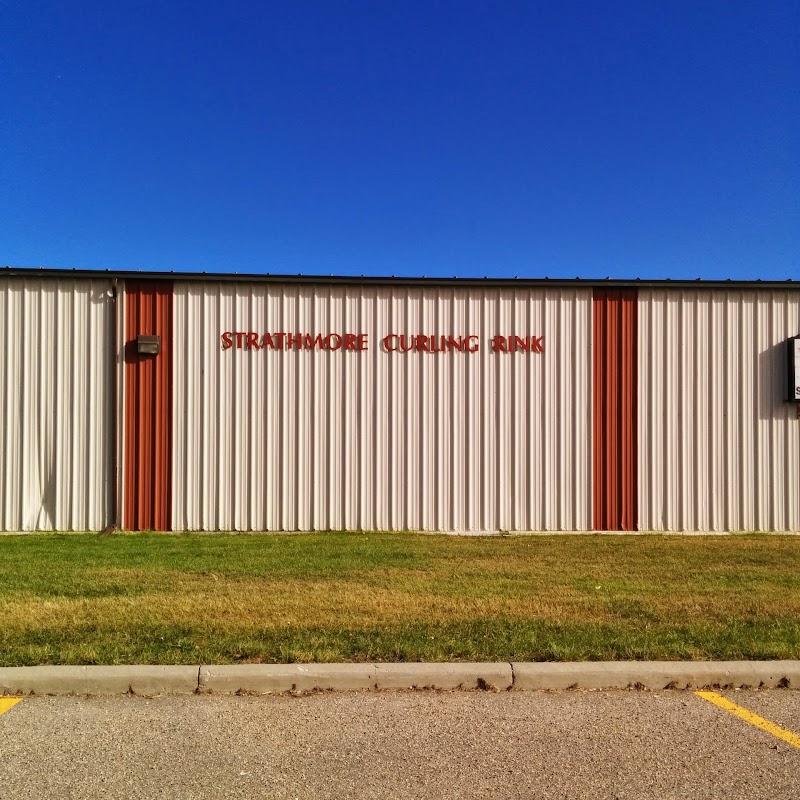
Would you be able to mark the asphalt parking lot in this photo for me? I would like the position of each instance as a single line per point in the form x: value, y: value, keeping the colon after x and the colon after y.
x: 602, y: 744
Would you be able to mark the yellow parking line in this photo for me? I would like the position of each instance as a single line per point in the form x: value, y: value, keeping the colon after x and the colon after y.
x: 748, y: 716
x: 8, y: 702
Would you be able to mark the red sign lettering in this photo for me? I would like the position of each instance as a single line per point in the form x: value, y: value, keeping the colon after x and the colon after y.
x: 392, y: 343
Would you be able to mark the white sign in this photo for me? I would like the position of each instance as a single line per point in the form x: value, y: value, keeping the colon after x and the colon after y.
x: 794, y: 369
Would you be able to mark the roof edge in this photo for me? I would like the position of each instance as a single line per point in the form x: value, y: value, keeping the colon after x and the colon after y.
x: 366, y: 280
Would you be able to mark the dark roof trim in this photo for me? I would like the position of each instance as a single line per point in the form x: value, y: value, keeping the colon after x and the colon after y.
x: 351, y: 280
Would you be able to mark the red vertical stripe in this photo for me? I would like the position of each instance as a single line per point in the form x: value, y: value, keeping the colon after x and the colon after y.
x: 614, y: 409
x: 147, y: 488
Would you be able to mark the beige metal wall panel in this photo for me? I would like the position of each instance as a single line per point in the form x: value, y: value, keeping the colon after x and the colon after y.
x: 309, y: 440
x: 719, y: 445
x: 56, y: 381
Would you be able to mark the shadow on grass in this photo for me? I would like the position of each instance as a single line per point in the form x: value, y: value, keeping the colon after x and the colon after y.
x: 466, y: 640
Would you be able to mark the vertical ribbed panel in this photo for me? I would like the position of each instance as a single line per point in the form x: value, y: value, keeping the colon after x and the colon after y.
x: 315, y: 440
x: 56, y: 379
x: 719, y: 445
x: 614, y: 409
x: 147, y: 441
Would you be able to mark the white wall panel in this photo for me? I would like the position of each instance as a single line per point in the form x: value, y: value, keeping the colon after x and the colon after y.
x: 718, y: 443
x: 310, y: 440
x: 56, y: 381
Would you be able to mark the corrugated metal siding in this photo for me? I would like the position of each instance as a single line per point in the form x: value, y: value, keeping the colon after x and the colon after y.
x: 147, y: 451
x: 56, y: 381
x: 719, y: 447
x: 374, y: 440
x: 615, y: 407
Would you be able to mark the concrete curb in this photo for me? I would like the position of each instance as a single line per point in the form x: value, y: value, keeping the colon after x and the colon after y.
x: 501, y: 676
x: 137, y: 679
x: 656, y: 674
x: 349, y: 677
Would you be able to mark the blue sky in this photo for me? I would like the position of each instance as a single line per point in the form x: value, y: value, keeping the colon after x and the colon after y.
x: 418, y: 138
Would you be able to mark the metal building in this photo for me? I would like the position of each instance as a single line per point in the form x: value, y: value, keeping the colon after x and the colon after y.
x: 198, y: 402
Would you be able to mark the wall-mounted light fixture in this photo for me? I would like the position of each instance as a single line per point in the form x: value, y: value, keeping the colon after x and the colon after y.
x: 148, y: 345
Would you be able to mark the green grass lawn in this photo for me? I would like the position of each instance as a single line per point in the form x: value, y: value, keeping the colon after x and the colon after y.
x: 183, y: 598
